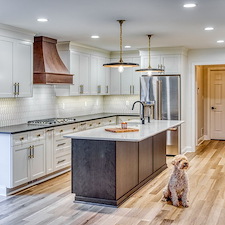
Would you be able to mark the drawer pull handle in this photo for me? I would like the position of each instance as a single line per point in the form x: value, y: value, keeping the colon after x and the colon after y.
x: 49, y: 130
x: 61, y: 144
x: 90, y: 125
x: 60, y: 161
x: 74, y: 128
x: 38, y: 135
x: 82, y: 124
x: 110, y: 121
x: 22, y: 138
x: 99, y: 123
x: 61, y: 131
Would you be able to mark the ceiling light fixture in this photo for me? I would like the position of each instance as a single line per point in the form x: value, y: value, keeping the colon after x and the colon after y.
x: 220, y: 41
x: 209, y: 28
x: 95, y: 36
x: 121, y: 64
x: 149, y: 70
x: 189, y: 5
x: 42, y: 20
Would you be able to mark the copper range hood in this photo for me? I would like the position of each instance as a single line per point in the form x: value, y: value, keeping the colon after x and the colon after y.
x: 48, y: 67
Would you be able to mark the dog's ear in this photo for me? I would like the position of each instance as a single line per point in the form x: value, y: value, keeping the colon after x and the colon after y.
x: 173, y: 162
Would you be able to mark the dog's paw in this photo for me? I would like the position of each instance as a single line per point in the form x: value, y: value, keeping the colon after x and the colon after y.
x: 185, y: 204
x: 176, y: 203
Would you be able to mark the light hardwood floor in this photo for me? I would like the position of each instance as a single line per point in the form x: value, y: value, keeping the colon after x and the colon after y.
x: 52, y: 203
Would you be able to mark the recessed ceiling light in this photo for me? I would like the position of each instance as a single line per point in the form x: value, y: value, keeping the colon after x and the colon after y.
x: 209, y: 28
x: 95, y: 36
x: 42, y: 20
x: 189, y: 5
x: 127, y: 46
x: 220, y: 41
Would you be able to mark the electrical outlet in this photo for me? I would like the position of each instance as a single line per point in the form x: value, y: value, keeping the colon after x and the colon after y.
x: 85, y: 103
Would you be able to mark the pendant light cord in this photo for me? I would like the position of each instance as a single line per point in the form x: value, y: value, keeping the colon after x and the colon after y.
x: 121, y: 50
x: 149, y: 65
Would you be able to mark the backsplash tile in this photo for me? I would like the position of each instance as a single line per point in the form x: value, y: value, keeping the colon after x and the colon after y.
x: 120, y: 104
x: 44, y: 104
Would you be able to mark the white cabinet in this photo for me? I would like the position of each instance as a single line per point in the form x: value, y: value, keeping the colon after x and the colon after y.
x: 114, y: 80
x: 28, y: 157
x: 49, y: 145
x: 170, y: 63
x: 170, y: 59
x: 16, y: 67
x: 99, y: 76
x: 127, y: 82
x: 130, y: 80
x: 90, y: 77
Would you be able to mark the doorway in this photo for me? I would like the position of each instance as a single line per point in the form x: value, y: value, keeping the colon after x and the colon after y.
x: 210, y: 102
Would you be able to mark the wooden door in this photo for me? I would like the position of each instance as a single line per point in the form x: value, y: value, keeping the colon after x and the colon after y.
x: 217, y: 104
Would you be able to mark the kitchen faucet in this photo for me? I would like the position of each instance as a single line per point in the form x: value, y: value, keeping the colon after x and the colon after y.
x: 142, y: 116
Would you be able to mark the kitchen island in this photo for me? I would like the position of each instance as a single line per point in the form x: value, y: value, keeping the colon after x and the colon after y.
x: 108, y: 167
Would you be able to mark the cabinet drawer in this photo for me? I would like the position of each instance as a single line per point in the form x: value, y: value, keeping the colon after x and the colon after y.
x: 62, y: 130
x: 109, y: 121
x: 62, y: 161
x: 21, y: 138
x: 62, y: 147
x: 37, y: 135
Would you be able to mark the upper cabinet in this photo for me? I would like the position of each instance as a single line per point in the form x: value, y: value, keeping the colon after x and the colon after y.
x: 87, y: 66
x: 169, y: 59
x: 16, y: 64
x: 127, y: 82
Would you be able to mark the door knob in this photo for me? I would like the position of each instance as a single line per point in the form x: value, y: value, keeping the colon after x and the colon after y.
x: 213, y: 107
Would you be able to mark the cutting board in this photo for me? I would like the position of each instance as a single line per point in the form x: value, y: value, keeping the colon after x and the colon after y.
x: 120, y: 130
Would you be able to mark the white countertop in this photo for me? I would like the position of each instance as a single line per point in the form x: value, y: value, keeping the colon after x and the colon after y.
x: 145, y: 130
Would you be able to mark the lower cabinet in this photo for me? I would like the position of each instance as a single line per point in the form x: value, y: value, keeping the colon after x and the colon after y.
x: 28, y: 162
x: 109, y: 172
x: 159, y: 150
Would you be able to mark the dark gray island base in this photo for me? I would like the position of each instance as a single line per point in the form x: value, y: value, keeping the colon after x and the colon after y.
x: 108, y: 172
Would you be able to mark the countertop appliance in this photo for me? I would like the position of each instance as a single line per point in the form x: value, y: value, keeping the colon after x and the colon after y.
x: 163, y: 91
x: 52, y: 121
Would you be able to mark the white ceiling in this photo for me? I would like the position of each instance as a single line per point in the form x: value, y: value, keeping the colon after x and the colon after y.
x: 77, y: 20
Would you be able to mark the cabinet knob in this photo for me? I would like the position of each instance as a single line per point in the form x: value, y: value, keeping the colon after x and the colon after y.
x: 22, y: 138
x: 61, y: 131
x: 38, y: 135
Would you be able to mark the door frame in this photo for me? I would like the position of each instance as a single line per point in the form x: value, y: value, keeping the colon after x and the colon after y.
x: 208, y: 105
x: 194, y: 127
x: 193, y: 122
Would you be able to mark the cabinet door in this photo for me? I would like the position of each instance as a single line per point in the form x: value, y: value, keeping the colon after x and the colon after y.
x: 37, y: 160
x: 107, y: 79
x: 84, y: 73
x: 49, y: 146
x: 159, y: 150
x: 171, y: 64
x: 21, y: 165
x: 94, y: 75
x: 145, y: 159
x: 136, y: 77
x: 127, y: 79
x: 75, y: 70
x: 6, y: 68
x: 114, y: 80
x: 101, y: 76
x: 23, y: 68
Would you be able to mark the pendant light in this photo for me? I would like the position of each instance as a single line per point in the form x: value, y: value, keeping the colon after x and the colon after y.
x: 149, y: 70
x: 121, y: 64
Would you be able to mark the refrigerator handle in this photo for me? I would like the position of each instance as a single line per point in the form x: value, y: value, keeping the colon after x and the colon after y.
x: 159, y: 89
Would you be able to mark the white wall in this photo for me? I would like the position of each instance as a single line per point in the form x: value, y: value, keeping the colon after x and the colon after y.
x: 44, y: 104
x: 197, y: 57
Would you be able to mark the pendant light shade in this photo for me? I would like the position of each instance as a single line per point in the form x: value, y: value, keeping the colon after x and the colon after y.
x: 121, y: 64
x: 149, y: 70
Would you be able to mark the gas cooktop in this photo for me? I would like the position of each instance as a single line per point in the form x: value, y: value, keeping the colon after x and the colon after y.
x: 52, y: 121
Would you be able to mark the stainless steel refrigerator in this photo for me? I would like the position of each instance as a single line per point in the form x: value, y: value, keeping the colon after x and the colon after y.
x: 163, y: 91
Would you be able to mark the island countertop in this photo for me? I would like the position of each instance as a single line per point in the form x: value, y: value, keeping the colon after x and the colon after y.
x: 145, y: 130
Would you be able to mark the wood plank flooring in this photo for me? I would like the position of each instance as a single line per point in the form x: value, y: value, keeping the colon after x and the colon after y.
x: 52, y: 203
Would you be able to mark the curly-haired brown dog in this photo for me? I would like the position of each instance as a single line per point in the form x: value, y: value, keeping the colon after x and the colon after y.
x: 177, y: 187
